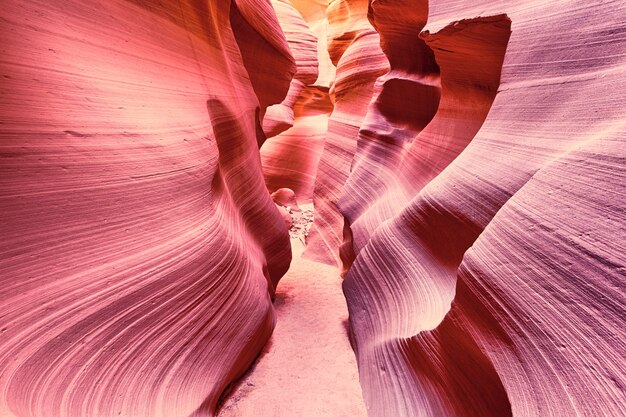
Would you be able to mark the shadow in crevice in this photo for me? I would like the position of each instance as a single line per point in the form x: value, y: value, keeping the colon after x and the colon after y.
x: 241, y: 386
x: 456, y: 376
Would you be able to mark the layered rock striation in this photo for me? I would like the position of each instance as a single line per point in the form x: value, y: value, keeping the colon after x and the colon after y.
x: 353, y: 46
x: 483, y: 202
x: 303, y: 46
x: 140, y: 247
x: 466, y: 162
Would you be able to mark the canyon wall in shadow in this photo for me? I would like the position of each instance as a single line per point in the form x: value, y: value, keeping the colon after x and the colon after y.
x: 484, y: 209
x: 467, y: 162
x: 140, y: 247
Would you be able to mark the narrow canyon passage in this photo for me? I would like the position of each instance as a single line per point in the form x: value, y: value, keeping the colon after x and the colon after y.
x: 308, y: 364
x: 464, y: 163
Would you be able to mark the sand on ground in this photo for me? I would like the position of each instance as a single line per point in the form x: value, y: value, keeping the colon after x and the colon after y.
x: 308, y: 368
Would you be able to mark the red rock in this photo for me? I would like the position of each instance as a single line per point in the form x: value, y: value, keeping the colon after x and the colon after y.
x: 139, y: 244
x: 303, y: 45
x: 290, y: 160
x: 467, y: 166
x: 483, y: 283
x: 285, y: 197
x: 354, y: 49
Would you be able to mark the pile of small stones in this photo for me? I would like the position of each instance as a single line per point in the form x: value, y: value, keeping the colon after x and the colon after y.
x: 301, y: 221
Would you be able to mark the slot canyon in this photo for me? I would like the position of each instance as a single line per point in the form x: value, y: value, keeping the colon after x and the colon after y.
x: 313, y: 208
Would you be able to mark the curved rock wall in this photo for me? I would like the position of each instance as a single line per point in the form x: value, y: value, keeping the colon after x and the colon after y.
x: 139, y: 244
x: 486, y: 204
x: 298, y: 125
x: 353, y: 47
x: 471, y: 184
x: 303, y: 46
x: 290, y: 160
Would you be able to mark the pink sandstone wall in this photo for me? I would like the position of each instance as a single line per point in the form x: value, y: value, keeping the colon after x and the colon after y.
x: 466, y: 161
x: 486, y: 204
x: 139, y: 247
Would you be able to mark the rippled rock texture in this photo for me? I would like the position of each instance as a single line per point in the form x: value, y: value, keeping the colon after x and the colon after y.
x: 486, y: 205
x: 290, y: 159
x: 139, y: 247
x: 353, y: 46
x: 303, y: 46
x: 467, y: 161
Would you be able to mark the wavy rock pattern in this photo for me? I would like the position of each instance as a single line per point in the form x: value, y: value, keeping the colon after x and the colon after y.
x: 353, y: 48
x: 303, y: 46
x: 314, y: 14
x: 484, y: 200
x: 139, y: 244
x: 467, y: 162
x: 291, y: 158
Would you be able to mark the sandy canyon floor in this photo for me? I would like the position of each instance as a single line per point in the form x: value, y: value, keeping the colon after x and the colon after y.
x: 307, y: 368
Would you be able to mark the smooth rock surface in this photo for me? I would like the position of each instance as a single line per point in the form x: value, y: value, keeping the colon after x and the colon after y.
x: 488, y: 224
x: 303, y: 46
x: 354, y: 48
x: 139, y: 247
x: 467, y: 161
